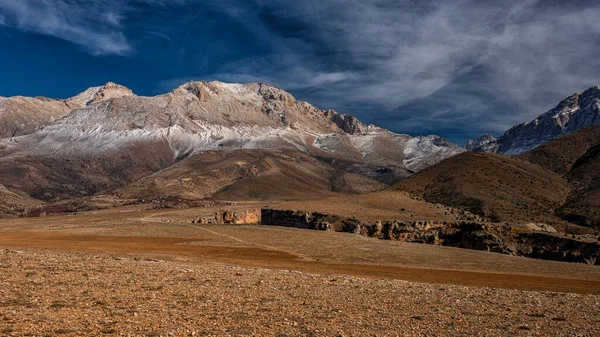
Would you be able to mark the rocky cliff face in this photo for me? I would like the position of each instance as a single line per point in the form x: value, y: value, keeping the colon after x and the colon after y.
x: 107, y: 136
x: 485, y: 143
x: 572, y: 114
x: 539, y: 242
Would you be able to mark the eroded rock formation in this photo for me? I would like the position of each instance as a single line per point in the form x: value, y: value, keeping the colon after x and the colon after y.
x: 246, y: 216
x: 499, y: 238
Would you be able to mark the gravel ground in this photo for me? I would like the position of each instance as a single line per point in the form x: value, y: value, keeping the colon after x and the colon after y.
x: 50, y: 293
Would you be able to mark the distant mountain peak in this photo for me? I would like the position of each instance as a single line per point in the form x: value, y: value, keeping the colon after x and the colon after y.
x: 485, y: 143
x: 270, y: 92
x: 146, y: 134
x: 571, y: 114
x: 196, y: 88
x: 98, y: 94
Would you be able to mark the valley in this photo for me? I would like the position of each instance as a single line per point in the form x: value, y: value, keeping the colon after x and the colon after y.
x: 135, y: 268
x: 221, y: 189
x: 299, y: 168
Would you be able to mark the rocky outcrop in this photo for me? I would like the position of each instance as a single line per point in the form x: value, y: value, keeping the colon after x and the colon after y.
x: 539, y: 242
x: 347, y: 123
x: 298, y: 219
x: 503, y: 239
x: 573, y: 113
x: 539, y: 227
x: 485, y: 143
x: 237, y: 217
x: 98, y: 94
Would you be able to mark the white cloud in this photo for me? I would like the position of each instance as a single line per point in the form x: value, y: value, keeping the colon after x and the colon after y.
x: 531, y: 54
x: 488, y: 64
x: 94, y: 25
x: 291, y: 81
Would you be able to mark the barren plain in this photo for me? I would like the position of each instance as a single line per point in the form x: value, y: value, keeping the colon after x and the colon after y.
x: 143, y: 271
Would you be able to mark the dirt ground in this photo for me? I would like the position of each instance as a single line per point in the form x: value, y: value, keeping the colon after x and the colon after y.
x: 155, y: 273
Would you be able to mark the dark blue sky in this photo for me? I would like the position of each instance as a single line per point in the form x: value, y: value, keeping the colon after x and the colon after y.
x: 454, y: 68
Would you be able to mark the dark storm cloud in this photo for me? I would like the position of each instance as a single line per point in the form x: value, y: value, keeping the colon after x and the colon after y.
x: 456, y: 68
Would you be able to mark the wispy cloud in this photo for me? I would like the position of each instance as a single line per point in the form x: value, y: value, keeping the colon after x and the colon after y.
x: 452, y: 67
x: 401, y: 49
x: 428, y: 65
x: 97, y: 26
x: 537, y: 55
x: 294, y: 83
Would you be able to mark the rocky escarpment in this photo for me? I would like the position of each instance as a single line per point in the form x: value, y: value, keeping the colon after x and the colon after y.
x: 497, y: 238
x: 573, y: 113
x: 246, y: 216
x: 299, y: 219
x: 535, y: 242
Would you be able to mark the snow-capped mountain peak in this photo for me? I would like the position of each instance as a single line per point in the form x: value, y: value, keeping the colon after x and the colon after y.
x: 200, y: 116
x: 571, y: 114
x: 98, y: 94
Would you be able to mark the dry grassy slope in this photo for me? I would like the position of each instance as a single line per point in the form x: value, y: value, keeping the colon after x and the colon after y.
x: 385, y: 205
x: 500, y: 187
x: 560, y: 154
x: 11, y: 202
x: 51, y: 178
x: 248, y: 175
x: 576, y: 156
x: 583, y: 203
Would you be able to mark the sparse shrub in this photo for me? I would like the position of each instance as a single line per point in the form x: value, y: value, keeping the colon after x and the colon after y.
x: 591, y: 260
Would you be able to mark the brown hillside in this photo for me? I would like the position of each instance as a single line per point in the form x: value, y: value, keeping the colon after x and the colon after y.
x: 583, y: 203
x: 14, y: 203
x: 50, y: 178
x: 249, y: 175
x: 576, y: 156
x: 500, y: 187
x: 560, y: 154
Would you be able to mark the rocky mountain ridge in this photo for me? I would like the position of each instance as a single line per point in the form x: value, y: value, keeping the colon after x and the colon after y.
x: 21, y: 115
x: 573, y: 113
x: 107, y: 137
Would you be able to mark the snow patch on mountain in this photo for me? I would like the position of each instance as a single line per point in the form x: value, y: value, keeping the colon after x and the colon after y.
x: 421, y: 152
x: 201, y: 116
x: 485, y: 143
x: 566, y: 112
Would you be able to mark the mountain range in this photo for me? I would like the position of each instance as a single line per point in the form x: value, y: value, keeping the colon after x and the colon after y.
x: 200, y: 139
x: 224, y: 141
